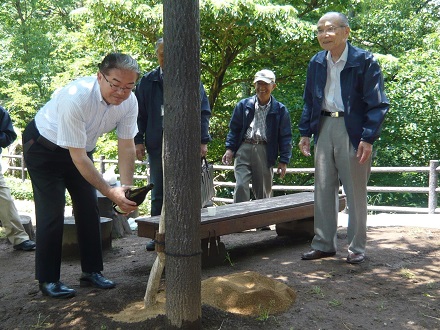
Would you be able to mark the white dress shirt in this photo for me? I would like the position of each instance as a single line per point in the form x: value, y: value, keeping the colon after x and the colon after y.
x: 77, y: 116
x: 332, y: 92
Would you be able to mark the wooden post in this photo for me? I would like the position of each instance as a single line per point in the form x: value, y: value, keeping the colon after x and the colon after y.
x: 102, y: 164
x: 23, y: 173
x: 433, y: 184
x: 120, y: 225
x: 27, y: 225
x: 158, y: 266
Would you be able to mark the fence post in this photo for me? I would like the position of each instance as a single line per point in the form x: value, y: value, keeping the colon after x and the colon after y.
x: 102, y: 164
x: 433, y: 179
x: 23, y: 173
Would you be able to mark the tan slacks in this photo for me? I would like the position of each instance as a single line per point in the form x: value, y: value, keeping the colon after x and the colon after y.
x: 9, y: 215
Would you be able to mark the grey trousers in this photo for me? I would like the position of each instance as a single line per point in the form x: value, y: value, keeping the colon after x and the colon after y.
x: 335, y: 159
x: 250, y: 165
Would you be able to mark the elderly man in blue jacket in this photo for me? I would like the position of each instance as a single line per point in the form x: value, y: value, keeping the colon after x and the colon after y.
x: 260, y: 134
x: 345, y: 106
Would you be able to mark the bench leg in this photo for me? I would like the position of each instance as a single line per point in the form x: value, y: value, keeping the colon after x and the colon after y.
x: 301, y: 229
x: 213, y: 252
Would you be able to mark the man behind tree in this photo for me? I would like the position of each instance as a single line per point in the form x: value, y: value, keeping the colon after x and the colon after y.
x: 149, y: 93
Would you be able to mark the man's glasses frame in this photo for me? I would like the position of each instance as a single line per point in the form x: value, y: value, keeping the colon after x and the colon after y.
x: 117, y: 88
x: 330, y: 30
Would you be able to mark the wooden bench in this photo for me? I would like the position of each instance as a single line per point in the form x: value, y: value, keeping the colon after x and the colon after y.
x: 292, y: 214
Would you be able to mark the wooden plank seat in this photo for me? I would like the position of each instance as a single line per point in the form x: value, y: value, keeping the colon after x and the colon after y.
x: 234, y: 218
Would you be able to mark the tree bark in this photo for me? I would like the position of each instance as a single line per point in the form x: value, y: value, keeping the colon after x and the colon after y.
x: 182, y: 163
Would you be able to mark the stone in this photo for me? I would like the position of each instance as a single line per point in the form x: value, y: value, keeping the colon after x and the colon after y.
x: 70, y: 240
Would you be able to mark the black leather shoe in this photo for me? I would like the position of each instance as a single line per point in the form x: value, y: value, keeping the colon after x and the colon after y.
x: 151, y: 245
x: 27, y: 245
x: 355, y: 258
x: 96, y: 280
x: 56, y: 290
x: 316, y: 254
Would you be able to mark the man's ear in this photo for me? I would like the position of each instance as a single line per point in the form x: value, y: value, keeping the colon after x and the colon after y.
x: 347, y: 32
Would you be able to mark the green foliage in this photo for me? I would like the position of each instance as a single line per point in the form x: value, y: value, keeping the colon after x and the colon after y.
x: 108, y: 145
x: 46, y: 43
x: 238, y: 39
x: 21, y: 190
x: 394, y: 26
x: 125, y: 26
x: 414, y: 115
x: 25, y: 56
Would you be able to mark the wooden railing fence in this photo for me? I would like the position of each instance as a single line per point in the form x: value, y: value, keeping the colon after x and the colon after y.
x: 432, y: 190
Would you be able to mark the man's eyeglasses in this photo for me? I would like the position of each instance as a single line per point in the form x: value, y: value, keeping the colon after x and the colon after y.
x: 117, y: 88
x: 330, y: 30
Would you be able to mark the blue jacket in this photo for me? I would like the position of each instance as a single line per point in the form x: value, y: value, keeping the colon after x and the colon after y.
x: 7, y: 133
x: 365, y: 103
x: 149, y: 93
x: 278, y: 129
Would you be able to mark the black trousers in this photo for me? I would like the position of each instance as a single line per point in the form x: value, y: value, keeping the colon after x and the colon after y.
x: 52, y: 171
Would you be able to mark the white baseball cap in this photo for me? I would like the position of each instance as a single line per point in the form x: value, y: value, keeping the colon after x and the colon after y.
x: 265, y: 75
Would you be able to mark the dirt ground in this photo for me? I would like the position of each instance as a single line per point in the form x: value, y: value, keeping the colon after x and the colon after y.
x: 398, y: 287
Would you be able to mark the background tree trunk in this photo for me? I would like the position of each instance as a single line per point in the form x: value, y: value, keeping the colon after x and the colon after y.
x: 182, y: 163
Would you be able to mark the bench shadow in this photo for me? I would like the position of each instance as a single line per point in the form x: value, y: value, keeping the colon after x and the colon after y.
x: 253, y: 243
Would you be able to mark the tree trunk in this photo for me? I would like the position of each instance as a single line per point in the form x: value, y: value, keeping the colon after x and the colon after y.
x: 182, y: 163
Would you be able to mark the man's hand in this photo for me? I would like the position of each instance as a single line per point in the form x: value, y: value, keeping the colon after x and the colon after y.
x: 364, y: 151
x: 203, y: 150
x: 227, y: 157
x: 117, y: 195
x: 88, y: 170
x: 140, y: 151
x: 281, y: 169
x: 304, y: 145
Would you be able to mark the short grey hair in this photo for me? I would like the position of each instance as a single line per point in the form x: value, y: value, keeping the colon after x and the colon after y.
x: 341, y: 17
x: 119, y: 61
x: 158, y: 43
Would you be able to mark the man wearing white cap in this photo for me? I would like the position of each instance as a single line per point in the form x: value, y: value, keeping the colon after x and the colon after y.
x: 260, y: 134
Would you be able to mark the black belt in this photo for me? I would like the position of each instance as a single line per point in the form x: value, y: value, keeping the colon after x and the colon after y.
x: 47, y: 143
x: 44, y: 142
x: 335, y: 114
x: 35, y: 136
x: 252, y: 141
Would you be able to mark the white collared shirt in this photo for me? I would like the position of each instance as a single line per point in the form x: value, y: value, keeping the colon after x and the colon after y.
x: 77, y: 115
x: 332, y: 92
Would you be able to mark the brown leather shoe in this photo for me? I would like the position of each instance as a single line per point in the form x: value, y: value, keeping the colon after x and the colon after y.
x: 355, y: 258
x: 316, y: 254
